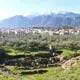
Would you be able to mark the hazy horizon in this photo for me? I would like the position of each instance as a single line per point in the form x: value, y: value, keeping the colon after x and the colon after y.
x: 11, y: 8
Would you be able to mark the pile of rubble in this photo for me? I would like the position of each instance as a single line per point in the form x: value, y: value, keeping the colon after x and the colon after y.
x: 71, y: 63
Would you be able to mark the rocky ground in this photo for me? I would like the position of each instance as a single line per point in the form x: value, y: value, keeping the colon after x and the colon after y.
x: 71, y: 63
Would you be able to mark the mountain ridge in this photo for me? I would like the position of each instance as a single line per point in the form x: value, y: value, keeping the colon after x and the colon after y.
x: 54, y: 20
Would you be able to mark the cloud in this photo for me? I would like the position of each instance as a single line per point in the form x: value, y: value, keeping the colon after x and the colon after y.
x: 3, y: 14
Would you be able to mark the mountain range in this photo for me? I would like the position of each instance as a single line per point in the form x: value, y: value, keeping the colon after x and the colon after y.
x: 54, y: 20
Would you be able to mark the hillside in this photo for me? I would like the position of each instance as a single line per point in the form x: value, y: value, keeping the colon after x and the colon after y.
x: 56, y: 20
x: 59, y: 73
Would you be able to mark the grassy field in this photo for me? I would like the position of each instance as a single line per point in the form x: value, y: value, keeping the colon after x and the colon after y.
x: 4, y: 77
x: 67, y: 53
x: 55, y: 74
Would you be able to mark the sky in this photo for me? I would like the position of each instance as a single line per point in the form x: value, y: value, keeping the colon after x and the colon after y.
x: 9, y: 8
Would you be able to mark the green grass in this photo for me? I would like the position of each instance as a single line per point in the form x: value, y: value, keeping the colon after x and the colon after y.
x: 14, y: 52
x: 67, y: 54
x: 55, y: 74
x: 4, y: 77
